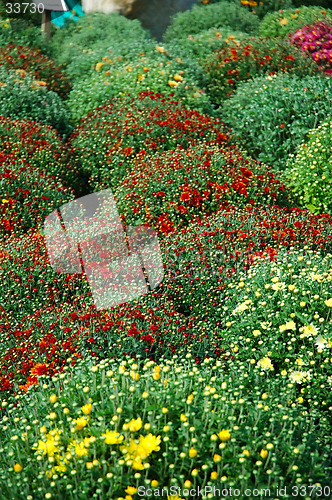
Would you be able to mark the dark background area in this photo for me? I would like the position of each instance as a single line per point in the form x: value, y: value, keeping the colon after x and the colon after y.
x: 155, y: 15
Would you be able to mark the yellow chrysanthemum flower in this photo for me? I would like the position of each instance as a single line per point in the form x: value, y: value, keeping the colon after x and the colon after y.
x: 135, y: 425
x: 131, y: 490
x: 49, y: 448
x: 78, y: 448
x: 224, y: 435
x: 86, y: 409
x: 80, y: 423
x: 172, y: 83
x: 150, y: 443
x: 178, y: 78
x: 283, y: 21
x: 112, y: 437
x: 265, y: 363
x: 99, y: 66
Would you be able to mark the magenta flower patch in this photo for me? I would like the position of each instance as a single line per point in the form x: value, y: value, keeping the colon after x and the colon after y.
x: 316, y: 40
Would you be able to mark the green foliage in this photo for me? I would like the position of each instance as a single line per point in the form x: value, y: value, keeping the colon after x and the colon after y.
x: 273, y: 114
x: 220, y: 15
x: 309, y: 172
x: 81, y: 44
x: 153, y: 70
x: 288, y: 21
x: 201, y: 45
x: 321, y: 3
x: 21, y: 32
x: 23, y: 97
x: 260, y: 8
x: 241, y: 60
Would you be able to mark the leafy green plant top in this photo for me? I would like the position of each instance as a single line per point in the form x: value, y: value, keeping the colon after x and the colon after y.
x: 309, y: 171
x: 218, y: 15
x: 288, y: 21
x: 273, y: 114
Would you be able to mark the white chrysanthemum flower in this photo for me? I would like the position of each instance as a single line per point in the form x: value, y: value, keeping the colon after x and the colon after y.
x: 321, y: 342
x: 316, y: 277
x: 298, y: 376
x: 310, y: 330
x: 278, y: 286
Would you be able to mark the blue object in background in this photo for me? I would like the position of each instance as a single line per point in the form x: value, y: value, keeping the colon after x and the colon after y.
x: 59, y: 18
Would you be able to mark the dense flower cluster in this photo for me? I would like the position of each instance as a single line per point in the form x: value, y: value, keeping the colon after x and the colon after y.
x: 24, y: 97
x: 38, y: 307
x: 283, y: 22
x: 283, y: 309
x: 183, y: 312
x: 113, y: 423
x: 170, y: 190
x: 208, y: 254
x: 105, y: 142
x: 37, y: 344
x: 37, y: 143
x: 250, y: 57
x: 201, y: 45
x: 28, y: 195
x: 309, y: 170
x: 40, y: 66
x: 81, y: 45
x: 316, y: 40
x: 148, y: 68
x: 220, y: 15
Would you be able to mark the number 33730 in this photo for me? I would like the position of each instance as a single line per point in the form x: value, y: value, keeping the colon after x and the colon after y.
x: 22, y: 8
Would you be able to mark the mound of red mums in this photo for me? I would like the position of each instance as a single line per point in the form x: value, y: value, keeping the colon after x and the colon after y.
x: 199, y: 260
x: 241, y: 60
x: 169, y: 190
x: 28, y: 195
x: 107, y: 140
x: 39, y: 144
x: 40, y: 66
